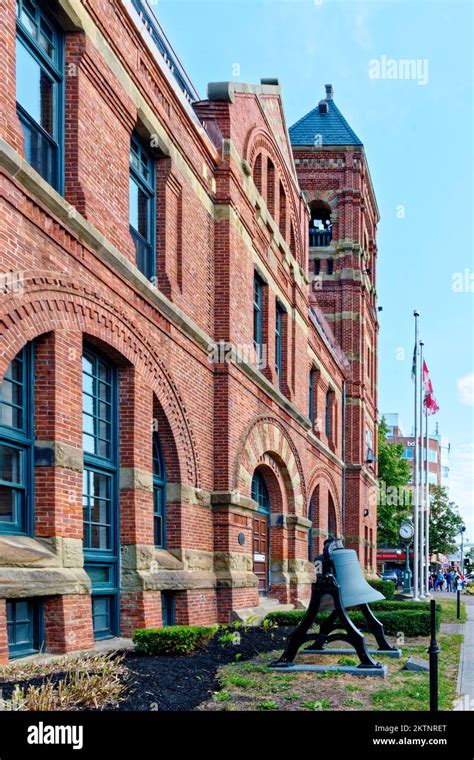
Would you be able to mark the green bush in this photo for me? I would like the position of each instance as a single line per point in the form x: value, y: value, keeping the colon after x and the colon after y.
x: 387, y: 588
x: 172, y: 640
x: 391, y: 605
x: 408, y: 620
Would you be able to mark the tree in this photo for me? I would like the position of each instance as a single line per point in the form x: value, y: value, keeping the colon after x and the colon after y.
x: 394, y: 499
x: 445, y: 521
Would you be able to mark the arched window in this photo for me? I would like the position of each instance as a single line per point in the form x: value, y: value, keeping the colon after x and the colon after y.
x: 159, y: 493
x: 260, y: 493
x: 100, y: 489
x: 282, y: 217
x: 320, y: 226
x: 257, y: 173
x: 16, y: 445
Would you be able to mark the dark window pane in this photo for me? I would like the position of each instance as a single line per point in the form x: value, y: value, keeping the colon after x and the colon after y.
x: 103, y: 449
x: 46, y: 38
x: 27, y: 18
x: 88, y: 365
x: 35, y: 90
x: 11, y: 465
x: 100, y: 511
x: 104, y: 392
x: 101, y: 485
x: 139, y: 209
x: 7, y: 504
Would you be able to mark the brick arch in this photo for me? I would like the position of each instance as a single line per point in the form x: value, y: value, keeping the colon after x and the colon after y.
x: 258, y: 141
x: 267, y: 438
x: 321, y: 476
x: 53, y: 302
x: 330, y: 197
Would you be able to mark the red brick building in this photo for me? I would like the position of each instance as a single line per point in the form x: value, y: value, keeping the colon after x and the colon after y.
x: 334, y: 176
x: 174, y: 398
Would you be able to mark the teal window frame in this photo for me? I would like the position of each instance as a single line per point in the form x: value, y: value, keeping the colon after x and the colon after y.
x: 260, y: 493
x: 25, y: 627
x: 258, y: 286
x: 159, y: 493
x: 20, y: 438
x: 311, y: 396
x: 279, y: 312
x: 328, y: 426
x: 168, y: 608
x: 312, y: 510
x: 101, y: 563
x: 143, y: 176
x: 31, y: 28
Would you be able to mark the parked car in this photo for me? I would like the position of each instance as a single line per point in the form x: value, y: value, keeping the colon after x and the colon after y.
x: 469, y: 579
x: 389, y: 575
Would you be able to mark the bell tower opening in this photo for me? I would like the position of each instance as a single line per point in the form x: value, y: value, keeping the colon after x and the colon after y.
x: 320, y: 226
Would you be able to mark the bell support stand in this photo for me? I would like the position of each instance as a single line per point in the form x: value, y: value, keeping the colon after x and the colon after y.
x: 336, y: 582
x: 375, y: 627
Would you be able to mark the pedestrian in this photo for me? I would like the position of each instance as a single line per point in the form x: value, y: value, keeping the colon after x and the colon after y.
x: 449, y: 581
x: 439, y: 581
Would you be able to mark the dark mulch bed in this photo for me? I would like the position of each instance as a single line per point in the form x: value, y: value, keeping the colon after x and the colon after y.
x: 182, y: 683
x: 177, y: 683
x: 7, y: 687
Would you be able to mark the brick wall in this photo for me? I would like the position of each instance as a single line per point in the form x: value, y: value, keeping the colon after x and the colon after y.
x: 221, y: 215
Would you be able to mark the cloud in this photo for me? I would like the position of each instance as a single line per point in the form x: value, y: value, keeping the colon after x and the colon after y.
x: 360, y: 30
x: 461, y: 483
x: 466, y: 389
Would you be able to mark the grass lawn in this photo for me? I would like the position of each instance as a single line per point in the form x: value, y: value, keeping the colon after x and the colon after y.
x: 252, y: 686
x: 449, y: 609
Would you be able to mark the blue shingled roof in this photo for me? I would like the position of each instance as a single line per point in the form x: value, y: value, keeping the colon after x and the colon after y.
x: 332, y: 126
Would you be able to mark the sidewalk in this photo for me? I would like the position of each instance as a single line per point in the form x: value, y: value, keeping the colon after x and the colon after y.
x: 466, y: 666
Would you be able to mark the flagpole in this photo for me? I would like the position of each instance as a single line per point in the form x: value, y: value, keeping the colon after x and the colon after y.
x: 427, y: 511
x: 416, y: 314
x: 420, y: 485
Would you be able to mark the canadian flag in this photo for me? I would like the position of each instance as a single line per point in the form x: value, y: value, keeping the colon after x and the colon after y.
x: 429, y: 400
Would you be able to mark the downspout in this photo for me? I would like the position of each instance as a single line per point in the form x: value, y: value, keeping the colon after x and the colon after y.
x: 343, y: 496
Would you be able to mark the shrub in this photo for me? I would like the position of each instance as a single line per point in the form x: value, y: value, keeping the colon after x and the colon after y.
x: 172, y: 640
x: 387, y: 588
x: 409, y: 621
x: 291, y: 617
x: 391, y: 605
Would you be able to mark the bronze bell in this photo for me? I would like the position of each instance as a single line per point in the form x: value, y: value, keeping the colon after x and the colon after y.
x: 354, y: 588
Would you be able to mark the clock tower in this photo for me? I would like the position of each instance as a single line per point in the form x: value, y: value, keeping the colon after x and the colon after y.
x: 334, y: 176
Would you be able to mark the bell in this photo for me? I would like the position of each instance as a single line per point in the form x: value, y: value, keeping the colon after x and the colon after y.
x: 354, y: 588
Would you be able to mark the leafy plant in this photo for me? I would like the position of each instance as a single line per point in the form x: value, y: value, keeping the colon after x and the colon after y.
x: 172, y: 640
x: 321, y: 704
x: 222, y: 696
x: 386, y: 588
x: 348, y: 661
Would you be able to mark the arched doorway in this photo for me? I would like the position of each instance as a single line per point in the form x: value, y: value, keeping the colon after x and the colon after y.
x: 261, y: 532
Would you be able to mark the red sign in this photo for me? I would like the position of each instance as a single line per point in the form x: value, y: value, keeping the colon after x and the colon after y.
x: 386, y: 556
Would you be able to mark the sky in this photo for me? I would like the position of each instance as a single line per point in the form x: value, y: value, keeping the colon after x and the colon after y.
x: 418, y: 135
